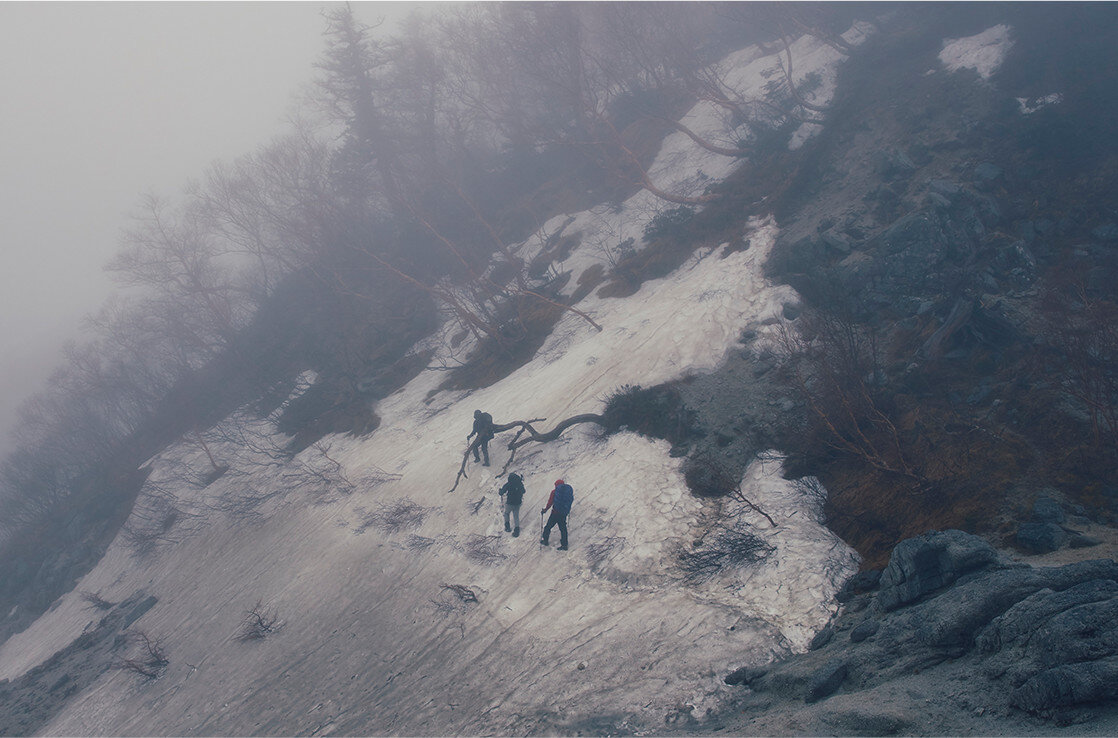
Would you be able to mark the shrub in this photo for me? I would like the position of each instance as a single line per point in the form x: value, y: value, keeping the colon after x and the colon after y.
x: 401, y: 515
x: 258, y: 623
x: 656, y: 412
x: 728, y: 548
x: 669, y: 223
x: 149, y: 660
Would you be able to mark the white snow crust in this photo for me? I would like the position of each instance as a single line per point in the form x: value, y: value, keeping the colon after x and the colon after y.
x: 1028, y: 106
x: 984, y: 52
x: 374, y: 640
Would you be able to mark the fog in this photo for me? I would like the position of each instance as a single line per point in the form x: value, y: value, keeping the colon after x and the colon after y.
x: 103, y: 102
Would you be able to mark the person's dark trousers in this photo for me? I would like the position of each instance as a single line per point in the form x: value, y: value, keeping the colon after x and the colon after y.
x: 484, y: 445
x: 560, y: 519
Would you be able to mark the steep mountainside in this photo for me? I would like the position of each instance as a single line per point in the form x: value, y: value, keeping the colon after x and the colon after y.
x: 842, y: 349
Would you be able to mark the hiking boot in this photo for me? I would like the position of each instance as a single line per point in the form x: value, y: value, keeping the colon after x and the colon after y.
x: 561, y: 548
x: 507, y: 528
x: 486, y: 464
x: 543, y: 542
x: 516, y: 533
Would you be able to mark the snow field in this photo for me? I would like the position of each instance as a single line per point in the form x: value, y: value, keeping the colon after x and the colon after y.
x: 375, y: 641
x: 983, y: 52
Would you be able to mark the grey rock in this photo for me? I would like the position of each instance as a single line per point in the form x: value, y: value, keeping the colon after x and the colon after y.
x: 1020, y: 621
x: 1026, y: 230
x: 826, y: 680
x: 952, y: 621
x: 1106, y: 232
x: 1047, y: 510
x: 791, y: 311
x: 936, y: 200
x: 745, y: 676
x: 979, y: 394
x: 987, y: 171
x: 922, y: 565
x: 821, y: 639
x: 1083, y: 632
x: 837, y: 242
x: 944, y: 187
x: 864, y: 630
x: 1078, y: 540
x: 893, y: 163
x: 863, y: 581
x: 868, y: 720
x: 1068, y: 685
x: 1038, y: 538
x: 1062, y: 577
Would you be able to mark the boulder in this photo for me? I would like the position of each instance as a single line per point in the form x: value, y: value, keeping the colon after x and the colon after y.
x: 1065, y: 686
x: 864, y: 630
x: 745, y: 676
x: 1078, y: 540
x: 863, y: 581
x: 822, y: 638
x: 1047, y: 510
x: 948, y: 623
x: 1017, y: 625
x: 926, y: 564
x: 1039, y: 538
x: 826, y: 680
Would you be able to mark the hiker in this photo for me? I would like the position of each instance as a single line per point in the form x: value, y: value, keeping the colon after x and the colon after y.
x: 513, y: 494
x: 560, y: 504
x: 483, y: 428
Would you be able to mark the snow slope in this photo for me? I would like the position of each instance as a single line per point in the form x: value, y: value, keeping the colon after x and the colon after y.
x: 374, y: 640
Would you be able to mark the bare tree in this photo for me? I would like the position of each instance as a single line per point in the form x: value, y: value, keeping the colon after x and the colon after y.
x: 149, y: 658
x: 258, y: 623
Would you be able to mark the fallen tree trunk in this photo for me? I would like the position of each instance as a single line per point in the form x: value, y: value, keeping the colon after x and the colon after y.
x: 525, y: 427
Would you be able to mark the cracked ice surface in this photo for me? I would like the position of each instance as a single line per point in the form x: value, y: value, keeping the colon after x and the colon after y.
x: 376, y: 643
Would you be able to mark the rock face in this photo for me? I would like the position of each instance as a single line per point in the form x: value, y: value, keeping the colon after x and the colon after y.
x: 922, y: 565
x: 1040, y: 644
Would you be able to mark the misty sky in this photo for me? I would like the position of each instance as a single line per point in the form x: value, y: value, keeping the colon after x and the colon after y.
x: 102, y: 102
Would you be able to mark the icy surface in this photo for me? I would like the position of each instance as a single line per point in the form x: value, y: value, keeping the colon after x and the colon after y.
x: 373, y: 565
x: 983, y: 52
x: 1028, y: 106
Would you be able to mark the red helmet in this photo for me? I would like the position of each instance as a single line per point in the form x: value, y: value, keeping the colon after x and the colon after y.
x: 558, y: 482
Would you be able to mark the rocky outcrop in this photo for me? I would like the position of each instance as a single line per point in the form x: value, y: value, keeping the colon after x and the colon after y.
x: 1033, y: 642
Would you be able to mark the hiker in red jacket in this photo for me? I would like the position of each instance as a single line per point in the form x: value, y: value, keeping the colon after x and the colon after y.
x: 560, y: 501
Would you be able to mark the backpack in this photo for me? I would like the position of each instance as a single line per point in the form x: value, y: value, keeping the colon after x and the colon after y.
x: 564, y: 498
x: 514, y: 488
x: 484, y: 425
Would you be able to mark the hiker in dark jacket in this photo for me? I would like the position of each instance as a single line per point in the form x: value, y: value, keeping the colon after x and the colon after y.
x: 483, y: 429
x: 560, y: 501
x: 513, y: 494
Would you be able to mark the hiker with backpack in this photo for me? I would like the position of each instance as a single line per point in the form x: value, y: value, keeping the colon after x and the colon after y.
x: 483, y: 429
x: 513, y: 494
x: 560, y: 501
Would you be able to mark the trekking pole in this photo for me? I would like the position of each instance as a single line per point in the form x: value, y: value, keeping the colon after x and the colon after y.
x: 542, y: 513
